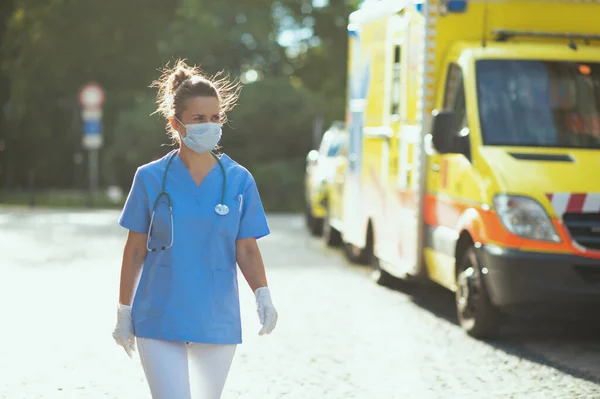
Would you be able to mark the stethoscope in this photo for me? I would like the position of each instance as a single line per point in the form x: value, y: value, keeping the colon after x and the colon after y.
x: 220, y: 209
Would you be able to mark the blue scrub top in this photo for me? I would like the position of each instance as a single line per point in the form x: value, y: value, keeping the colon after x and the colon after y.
x: 190, y: 292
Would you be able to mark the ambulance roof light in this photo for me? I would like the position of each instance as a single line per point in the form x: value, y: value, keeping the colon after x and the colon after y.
x: 456, y: 5
x: 446, y: 6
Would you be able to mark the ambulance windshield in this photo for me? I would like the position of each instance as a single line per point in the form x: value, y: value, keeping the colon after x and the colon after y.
x: 539, y: 103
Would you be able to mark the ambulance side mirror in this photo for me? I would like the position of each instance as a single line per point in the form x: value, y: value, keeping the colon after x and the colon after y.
x: 443, y: 136
x: 312, y: 157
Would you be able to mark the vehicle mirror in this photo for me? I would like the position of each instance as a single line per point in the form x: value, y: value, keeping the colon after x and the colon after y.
x: 443, y: 123
x: 312, y: 157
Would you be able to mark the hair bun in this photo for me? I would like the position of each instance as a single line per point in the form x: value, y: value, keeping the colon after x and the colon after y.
x: 181, y: 73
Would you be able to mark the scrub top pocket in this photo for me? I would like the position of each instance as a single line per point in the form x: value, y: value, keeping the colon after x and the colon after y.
x: 228, y: 225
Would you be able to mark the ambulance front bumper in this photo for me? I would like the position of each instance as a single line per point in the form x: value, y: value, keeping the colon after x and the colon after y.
x: 521, y: 282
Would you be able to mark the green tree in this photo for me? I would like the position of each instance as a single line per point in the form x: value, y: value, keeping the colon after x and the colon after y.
x: 51, y: 49
x: 6, y: 8
x: 272, y: 122
x: 235, y: 35
x: 321, y: 58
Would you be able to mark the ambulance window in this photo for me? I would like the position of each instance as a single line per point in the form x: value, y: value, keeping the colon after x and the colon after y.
x: 454, y: 98
x: 396, y: 81
x: 334, y: 149
x: 539, y: 103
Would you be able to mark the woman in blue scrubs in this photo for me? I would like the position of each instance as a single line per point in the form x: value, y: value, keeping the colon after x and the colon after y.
x: 191, y: 216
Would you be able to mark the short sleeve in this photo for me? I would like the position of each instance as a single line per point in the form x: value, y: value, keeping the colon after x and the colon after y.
x: 136, y: 212
x: 253, y: 221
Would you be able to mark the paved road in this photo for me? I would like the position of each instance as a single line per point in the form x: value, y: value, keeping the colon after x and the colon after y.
x: 339, y: 336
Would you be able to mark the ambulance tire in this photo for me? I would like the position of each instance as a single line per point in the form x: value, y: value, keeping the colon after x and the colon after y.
x: 360, y: 256
x: 331, y: 236
x: 356, y: 255
x: 379, y: 275
x: 314, y: 225
x: 476, y: 314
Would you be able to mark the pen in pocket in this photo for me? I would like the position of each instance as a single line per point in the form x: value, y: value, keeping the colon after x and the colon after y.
x: 241, y: 200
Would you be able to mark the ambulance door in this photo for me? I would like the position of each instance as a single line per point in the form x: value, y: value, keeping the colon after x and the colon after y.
x: 447, y: 173
x: 388, y: 227
x: 358, y: 81
x: 405, y: 187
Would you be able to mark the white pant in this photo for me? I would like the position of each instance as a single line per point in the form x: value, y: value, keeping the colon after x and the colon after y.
x: 165, y: 364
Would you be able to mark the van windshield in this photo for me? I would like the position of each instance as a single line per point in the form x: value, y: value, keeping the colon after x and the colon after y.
x: 539, y: 103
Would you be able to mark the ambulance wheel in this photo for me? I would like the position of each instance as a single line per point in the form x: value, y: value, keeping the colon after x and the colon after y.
x: 360, y: 256
x: 314, y: 225
x: 476, y: 314
x: 356, y: 255
x: 379, y: 275
x: 331, y: 236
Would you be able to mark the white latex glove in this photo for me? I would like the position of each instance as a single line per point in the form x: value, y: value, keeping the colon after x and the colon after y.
x: 123, y: 332
x: 267, y: 315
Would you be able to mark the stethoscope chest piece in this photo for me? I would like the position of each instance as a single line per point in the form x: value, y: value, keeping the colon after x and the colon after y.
x: 221, y: 209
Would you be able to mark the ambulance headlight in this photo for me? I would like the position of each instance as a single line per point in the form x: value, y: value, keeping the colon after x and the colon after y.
x: 525, y: 218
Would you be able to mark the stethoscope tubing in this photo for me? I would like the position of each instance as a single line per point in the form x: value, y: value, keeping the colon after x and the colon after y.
x: 221, y: 209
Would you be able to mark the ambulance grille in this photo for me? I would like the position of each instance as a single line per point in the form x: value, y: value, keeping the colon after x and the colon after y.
x: 584, y: 228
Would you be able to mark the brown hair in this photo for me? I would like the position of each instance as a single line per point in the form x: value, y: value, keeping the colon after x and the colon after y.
x: 178, y: 84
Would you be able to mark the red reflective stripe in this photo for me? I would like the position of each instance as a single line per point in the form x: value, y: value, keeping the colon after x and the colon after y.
x: 576, y: 202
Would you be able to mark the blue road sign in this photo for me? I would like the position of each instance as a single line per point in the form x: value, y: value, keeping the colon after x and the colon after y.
x: 92, y: 127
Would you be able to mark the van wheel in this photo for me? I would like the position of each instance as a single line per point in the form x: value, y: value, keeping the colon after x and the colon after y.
x: 379, y: 275
x: 357, y: 255
x: 476, y: 314
x: 331, y: 236
x: 314, y: 225
x: 360, y: 256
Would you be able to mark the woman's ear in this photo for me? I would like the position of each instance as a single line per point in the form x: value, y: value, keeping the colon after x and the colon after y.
x: 173, y: 123
x: 176, y: 126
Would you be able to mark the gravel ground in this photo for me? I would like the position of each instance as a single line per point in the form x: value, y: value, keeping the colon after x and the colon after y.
x: 339, y: 334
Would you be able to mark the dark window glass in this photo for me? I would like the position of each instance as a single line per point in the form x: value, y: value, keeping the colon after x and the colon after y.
x: 539, y: 103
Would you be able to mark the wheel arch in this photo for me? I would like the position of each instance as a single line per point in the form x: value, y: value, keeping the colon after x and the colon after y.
x: 471, y: 232
x: 370, y: 236
x: 462, y: 244
x: 471, y: 220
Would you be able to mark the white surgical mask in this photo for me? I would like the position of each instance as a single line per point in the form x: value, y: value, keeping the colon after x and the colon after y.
x: 201, y: 137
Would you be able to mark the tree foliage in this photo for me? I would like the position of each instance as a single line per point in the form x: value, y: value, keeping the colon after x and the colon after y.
x: 50, y: 48
x: 321, y: 63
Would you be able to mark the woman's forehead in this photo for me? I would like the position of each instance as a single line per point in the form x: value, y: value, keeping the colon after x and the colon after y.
x: 202, y: 105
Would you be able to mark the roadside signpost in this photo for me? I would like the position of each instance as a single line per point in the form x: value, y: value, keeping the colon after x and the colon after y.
x: 91, y: 98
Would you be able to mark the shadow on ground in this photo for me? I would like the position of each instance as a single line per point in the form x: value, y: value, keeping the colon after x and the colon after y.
x: 572, y: 346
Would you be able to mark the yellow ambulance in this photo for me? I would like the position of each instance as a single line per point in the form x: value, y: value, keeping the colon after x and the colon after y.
x: 474, y: 152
